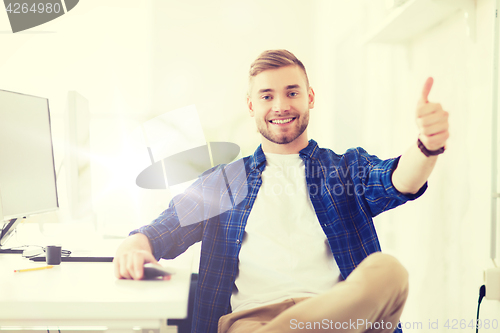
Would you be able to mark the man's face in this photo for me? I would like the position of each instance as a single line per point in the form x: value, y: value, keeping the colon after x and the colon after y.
x: 280, y: 100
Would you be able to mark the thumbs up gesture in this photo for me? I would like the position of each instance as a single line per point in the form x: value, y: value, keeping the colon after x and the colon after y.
x: 432, y: 120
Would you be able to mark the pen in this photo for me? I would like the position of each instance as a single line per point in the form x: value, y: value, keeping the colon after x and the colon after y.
x: 32, y: 269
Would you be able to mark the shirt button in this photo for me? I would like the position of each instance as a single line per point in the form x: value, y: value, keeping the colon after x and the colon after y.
x: 324, y: 224
x: 247, y: 206
x: 238, y: 241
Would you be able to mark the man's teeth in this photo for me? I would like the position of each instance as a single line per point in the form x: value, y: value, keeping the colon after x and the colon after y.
x: 281, y: 121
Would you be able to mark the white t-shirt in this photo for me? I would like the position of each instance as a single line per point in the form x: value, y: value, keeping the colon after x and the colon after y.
x: 285, y: 253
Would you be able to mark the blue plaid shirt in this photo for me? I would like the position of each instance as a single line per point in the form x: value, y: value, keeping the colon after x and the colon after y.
x: 346, y: 192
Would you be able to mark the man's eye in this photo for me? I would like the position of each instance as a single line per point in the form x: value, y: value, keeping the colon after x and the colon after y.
x: 266, y: 97
x: 294, y: 94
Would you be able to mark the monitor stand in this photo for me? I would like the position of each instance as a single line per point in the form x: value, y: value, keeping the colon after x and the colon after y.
x: 7, y: 229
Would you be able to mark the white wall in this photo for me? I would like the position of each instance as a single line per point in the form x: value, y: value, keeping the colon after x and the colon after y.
x: 443, y: 237
x: 102, y: 50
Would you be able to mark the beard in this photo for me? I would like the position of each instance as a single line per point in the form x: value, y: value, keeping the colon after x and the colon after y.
x: 283, y: 137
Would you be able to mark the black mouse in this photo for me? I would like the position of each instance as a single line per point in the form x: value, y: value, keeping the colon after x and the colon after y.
x: 152, y: 271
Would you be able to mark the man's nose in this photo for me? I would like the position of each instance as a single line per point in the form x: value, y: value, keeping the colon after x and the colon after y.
x: 281, y: 105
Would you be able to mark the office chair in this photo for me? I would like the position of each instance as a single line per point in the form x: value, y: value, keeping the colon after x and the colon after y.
x: 184, y: 325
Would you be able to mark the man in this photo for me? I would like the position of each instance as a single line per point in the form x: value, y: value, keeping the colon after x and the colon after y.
x: 299, y: 251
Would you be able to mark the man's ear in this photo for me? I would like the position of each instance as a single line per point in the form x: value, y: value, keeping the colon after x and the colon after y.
x: 311, y: 98
x: 250, y: 106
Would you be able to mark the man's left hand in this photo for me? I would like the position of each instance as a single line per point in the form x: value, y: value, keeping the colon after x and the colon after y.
x: 432, y: 120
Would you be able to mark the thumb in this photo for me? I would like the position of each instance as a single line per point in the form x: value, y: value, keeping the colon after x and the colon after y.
x: 426, y: 90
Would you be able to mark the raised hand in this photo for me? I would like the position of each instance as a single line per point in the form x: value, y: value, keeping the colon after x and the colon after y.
x: 432, y: 120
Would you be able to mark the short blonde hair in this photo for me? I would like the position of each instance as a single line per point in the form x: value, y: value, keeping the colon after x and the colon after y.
x: 273, y: 59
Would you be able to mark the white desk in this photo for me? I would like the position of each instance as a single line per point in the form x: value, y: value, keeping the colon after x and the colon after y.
x: 88, y: 294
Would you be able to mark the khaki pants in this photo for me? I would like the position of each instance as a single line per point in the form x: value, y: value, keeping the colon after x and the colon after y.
x: 370, y: 300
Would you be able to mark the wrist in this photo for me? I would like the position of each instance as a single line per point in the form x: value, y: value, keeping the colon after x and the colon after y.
x: 427, y: 152
x: 142, y: 241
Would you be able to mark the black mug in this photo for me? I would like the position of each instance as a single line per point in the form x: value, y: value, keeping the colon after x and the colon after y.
x: 53, y: 255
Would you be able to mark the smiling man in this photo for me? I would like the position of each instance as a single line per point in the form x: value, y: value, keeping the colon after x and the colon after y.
x: 284, y: 129
x: 299, y: 251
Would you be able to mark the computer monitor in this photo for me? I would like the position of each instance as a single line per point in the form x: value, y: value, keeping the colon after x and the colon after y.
x: 27, y: 173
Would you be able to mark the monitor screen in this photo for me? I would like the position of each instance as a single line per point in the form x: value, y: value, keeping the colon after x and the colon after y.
x: 27, y: 174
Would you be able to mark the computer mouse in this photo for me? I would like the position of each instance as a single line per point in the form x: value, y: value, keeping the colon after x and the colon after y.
x: 153, y: 272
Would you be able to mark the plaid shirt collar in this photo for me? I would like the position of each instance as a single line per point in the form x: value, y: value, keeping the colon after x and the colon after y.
x: 258, y: 159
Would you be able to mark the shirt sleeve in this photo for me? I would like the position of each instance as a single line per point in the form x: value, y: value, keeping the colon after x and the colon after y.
x: 182, y: 223
x: 167, y: 236
x: 375, y: 177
